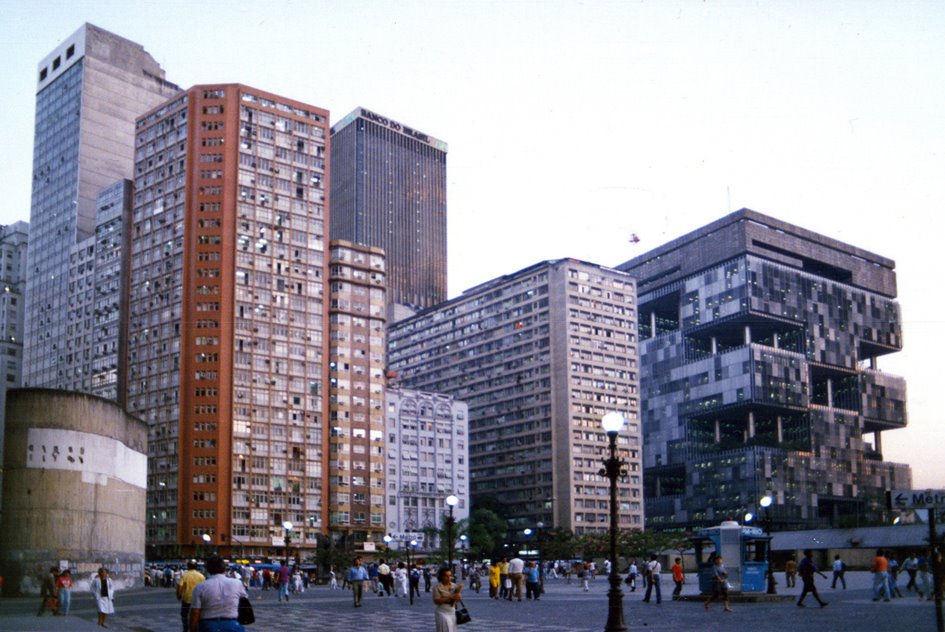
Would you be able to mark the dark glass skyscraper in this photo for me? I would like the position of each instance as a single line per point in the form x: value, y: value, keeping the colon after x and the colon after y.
x: 88, y: 93
x: 759, y: 349
x: 388, y: 189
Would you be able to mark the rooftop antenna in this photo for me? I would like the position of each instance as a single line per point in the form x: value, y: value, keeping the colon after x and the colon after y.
x: 728, y: 193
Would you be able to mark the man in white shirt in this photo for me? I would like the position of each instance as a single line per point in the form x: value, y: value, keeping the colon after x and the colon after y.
x: 653, y: 566
x: 516, y: 570
x: 215, y: 602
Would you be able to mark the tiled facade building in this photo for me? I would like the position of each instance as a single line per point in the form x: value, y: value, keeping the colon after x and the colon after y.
x: 356, y: 455
x: 539, y: 356
x: 760, y: 346
x: 89, y: 92
x: 388, y: 190
x: 228, y: 321
x: 428, y: 460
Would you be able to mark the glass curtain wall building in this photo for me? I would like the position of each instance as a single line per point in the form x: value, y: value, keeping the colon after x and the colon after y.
x: 89, y: 92
x: 760, y: 347
x: 388, y: 190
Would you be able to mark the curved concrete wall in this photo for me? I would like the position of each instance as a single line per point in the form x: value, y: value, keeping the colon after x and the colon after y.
x: 75, y: 469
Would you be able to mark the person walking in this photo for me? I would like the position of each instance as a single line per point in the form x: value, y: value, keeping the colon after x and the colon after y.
x: 584, y: 574
x: 654, y: 569
x: 104, y: 592
x: 332, y: 579
x: 911, y: 566
x: 504, y: 583
x: 64, y: 591
x: 678, y: 578
x: 807, y: 569
x: 48, y: 593
x: 880, y: 576
x: 427, y: 578
x: 494, y: 579
x: 215, y: 602
x: 893, y: 576
x: 516, y: 575
x: 414, y: 579
x: 385, y: 578
x: 357, y: 575
x: 839, y: 570
x: 632, y: 576
x: 719, y: 584
x: 283, y: 576
x: 790, y: 573
x: 446, y: 594
x: 185, y: 592
x: 531, y: 581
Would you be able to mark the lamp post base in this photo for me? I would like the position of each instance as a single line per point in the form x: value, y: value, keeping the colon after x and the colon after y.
x: 615, y: 621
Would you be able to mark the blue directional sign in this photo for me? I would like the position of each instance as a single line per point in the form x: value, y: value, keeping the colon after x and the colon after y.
x: 917, y: 499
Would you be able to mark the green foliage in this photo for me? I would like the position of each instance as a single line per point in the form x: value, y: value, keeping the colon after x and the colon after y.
x: 632, y: 543
x: 558, y: 544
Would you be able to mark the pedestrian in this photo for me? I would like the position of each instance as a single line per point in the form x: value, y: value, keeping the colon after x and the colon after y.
x: 494, y: 579
x: 719, y: 584
x: 445, y: 595
x: 806, y: 569
x: 653, y: 570
x: 911, y: 566
x: 880, y: 576
x: 104, y: 592
x: 283, y: 576
x: 893, y: 576
x: 332, y: 579
x: 64, y: 591
x: 414, y: 578
x: 922, y: 578
x: 372, y: 576
x: 839, y: 570
x: 215, y: 602
x: 47, y: 592
x: 531, y: 581
x: 504, y: 583
x: 267, y: 579
x: 427, y: 578
x: 678, y: 578
x: 584, y: 574
x: 517, y: 577
x: 790, y: 573
x: 185, y: 592
x: 632, y: 576
x: 385, y: 578
x: 400, y: 580
x: 357, y: 575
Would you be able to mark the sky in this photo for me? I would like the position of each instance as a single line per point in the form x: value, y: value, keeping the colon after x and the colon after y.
x: 574, y: 125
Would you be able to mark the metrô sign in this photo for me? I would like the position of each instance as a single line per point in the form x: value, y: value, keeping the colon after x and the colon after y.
x: 916, y: 499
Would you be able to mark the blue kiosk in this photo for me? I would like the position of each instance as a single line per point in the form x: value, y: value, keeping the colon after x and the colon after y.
x: 744, y: 552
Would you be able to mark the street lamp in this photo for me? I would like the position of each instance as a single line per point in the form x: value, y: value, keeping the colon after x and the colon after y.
x: 413, y: 543
x: 287, y: 541
x: 387, y: 540
x: 451, y: 501
x: 541, y: 569
x: 206, y: 544
x: 765, y: 503
x: 613, y: 469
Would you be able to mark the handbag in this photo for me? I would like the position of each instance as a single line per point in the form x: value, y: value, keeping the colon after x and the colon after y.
x: 245, y: 614
x: 462, y: 615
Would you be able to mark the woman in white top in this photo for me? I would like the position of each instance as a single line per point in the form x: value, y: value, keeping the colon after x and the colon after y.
x: 401, y: 584
x: 104, y: 593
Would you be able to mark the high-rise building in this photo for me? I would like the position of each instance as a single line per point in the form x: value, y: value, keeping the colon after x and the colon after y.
x: 539, y: 356
x: 388, y: 189
x: 357, y: 321
x: 228, y: 319
x: 89, y: 92
x: 96, y: 330
x: 428, y: 460
x: 760, y: 343
x: 14, y: 240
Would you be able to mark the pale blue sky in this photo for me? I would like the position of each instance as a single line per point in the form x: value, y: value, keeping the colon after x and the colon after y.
x: 572, y: 125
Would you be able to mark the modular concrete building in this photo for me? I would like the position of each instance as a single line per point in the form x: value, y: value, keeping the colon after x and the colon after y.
x: 75, y: 467
x: 760, y: 348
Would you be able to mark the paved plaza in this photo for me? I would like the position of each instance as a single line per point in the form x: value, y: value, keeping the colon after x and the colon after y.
x: 563, y: 608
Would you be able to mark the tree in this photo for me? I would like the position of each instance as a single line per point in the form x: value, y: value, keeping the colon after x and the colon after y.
x: 486, y: 530
x: 558, y: 544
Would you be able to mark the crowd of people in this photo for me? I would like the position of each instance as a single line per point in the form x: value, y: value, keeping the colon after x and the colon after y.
x: 56, y: 593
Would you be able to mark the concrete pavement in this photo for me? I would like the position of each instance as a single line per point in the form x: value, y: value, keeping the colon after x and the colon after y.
x: 563, y: 608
